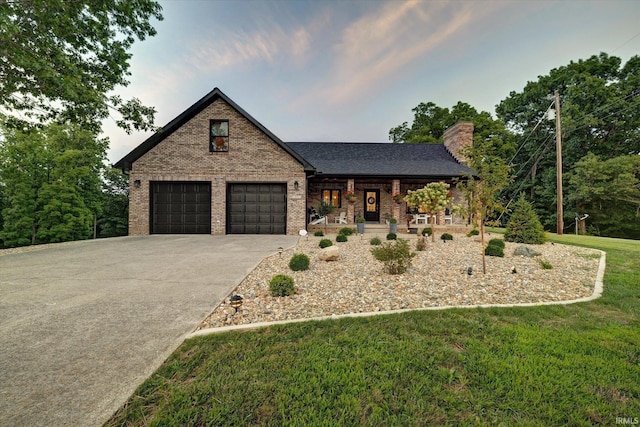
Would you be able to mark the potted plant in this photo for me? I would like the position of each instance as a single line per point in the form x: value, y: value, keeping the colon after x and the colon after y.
x: 360, y: 224
x: 398, y: 198
x: 393, y: 225
x: 350, y: 195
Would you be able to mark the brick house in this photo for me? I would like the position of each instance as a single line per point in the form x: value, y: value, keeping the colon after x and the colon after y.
x: 214, y: 169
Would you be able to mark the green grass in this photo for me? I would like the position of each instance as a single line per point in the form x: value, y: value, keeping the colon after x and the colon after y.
x: 532, y: 366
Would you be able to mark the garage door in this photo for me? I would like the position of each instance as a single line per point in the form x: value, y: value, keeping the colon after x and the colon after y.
x: 256, y: 209
x: 181, y: 208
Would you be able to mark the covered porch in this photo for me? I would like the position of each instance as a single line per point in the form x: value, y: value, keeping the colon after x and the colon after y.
x: 374, y: 199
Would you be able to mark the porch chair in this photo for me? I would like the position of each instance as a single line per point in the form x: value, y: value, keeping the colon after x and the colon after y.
x: 342, y: 219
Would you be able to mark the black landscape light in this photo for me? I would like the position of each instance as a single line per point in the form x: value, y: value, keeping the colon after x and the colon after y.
x: 235, y: 302
x: 469, y: 271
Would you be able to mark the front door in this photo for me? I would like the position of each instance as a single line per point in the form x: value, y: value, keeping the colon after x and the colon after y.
x: 372, y: 205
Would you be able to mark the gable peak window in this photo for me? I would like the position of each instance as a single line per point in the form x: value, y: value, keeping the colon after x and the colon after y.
x: 218, y: 135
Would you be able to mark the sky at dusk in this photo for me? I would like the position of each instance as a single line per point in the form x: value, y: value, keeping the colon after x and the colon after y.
x: 352, y: 70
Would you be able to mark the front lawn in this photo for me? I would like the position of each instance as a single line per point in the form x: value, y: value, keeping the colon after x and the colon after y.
x: 551, y: 365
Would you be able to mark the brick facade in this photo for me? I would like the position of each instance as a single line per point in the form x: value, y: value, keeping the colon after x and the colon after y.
x: 184, y: 156
x: 457, y: 137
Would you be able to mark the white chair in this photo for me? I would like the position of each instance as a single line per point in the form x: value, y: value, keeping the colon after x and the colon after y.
x: 320, y: 220
x: 342, y: 219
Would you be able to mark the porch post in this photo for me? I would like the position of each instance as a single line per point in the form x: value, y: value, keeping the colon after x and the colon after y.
x: 350, y: 206
x: 395, y: 210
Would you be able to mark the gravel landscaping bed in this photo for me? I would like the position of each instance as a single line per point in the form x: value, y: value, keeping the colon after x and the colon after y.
x: 438, y: 277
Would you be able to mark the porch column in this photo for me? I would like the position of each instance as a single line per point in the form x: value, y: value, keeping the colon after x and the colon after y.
x: 395, y: 189
x: 351, y: 209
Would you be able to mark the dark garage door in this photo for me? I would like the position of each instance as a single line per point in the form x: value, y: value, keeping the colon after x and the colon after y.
x: 181, y: 208
x: 256, y: 209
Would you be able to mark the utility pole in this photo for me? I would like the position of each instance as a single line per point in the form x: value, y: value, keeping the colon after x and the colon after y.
x: 559, y: 164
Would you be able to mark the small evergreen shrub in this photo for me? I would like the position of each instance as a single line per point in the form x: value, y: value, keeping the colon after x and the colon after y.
x: 473, y: 232
x: 341, y: 238
x: 325, y: 243
x: 446, y: 236
x: 392, y: 236
x: 496, y: 242
x: 281, y: 285
x: 524, y: 225
x: 494, y: 250
x: 347, y: 231
x: 545, y: 264
x: 421, y: 244
x: 299, y: 262
x: 319, y: 233
x: 396, y: 256
x: 375, y: 241
x: 426, y: 231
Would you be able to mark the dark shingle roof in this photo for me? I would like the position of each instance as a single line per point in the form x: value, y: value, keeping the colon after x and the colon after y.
x: 380, y: 159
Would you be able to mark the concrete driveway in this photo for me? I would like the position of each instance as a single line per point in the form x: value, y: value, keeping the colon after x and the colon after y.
x: 83, y: 324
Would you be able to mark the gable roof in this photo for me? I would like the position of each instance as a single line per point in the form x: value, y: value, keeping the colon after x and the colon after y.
x: 126, y: 162
x: 356, y: 159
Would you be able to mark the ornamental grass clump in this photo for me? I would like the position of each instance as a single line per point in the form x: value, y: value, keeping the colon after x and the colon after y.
x: 421, y: 244
x: 427, y: 231
x: 473, y: 232
x: 494, y: 250
x: 392, y: 236
x: 341, y: 238
x: 375, y: 241
x: 299, y: 262
x: 325, y: 243
x: 281, y: 285
x: 496, y: 242
x: 446, y: 236
x: 319, y: 233
x: 395, y: 256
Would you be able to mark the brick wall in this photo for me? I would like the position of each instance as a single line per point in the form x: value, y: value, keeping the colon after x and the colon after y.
x: 184, y: 156
x: 458, y: 136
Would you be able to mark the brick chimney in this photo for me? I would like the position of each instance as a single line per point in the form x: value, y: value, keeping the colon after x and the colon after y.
x: 456, y: 137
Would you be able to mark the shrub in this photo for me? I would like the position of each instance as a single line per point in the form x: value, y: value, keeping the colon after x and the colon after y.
x: 524, y: 225
x: 426, y: 231
x: 392, y: 236
x: 496, y: 242
x: 325, y: 243
x: 341, y: 238
x: 392, y: 220
x: 319, y: 233
x: 375, y: 241
x: 494, y: 250
x: 281, y: 285
x: 473, y: 232
x: 421, y: 244
x: 346, y: 231
x: 299, y: 262
x: 396, y: 256
x: 545, y: 264
x: 446, y: 236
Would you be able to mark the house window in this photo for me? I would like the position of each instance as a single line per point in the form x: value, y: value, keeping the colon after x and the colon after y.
x: 331, y: 197
x: 218, y: 135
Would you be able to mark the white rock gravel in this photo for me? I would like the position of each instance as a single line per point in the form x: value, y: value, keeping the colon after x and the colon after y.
x: 438, y: 277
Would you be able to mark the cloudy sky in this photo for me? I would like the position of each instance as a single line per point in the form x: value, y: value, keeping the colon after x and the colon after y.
x: 314, y: 70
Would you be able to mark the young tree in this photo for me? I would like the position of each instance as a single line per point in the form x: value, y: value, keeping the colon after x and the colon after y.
x: 482, y: 190
x: 115, y: 204
x: 61, y: 58
x: 432, y: 198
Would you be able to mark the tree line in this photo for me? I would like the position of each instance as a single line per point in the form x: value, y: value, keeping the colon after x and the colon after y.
x: 600, y: 122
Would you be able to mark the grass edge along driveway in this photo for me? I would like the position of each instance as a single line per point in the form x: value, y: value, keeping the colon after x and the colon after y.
x: 552, y: 365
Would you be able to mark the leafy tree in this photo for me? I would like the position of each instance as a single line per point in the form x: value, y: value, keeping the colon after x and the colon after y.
x: 430, y: 122
x: 433, y: 197
x: 52, y: 183
x: 61, y: 58
x: 600, y: 113
x: 114, y: 220
x: 609, y: 191
x: 524, y: 225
